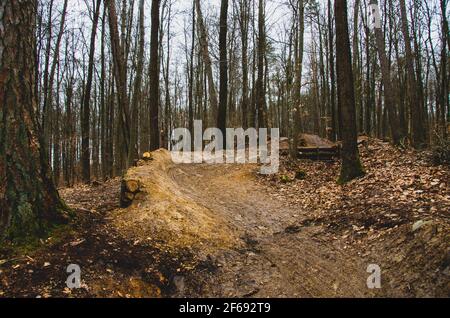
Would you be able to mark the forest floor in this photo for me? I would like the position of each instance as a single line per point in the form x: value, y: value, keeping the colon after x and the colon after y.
x: 225, y: 231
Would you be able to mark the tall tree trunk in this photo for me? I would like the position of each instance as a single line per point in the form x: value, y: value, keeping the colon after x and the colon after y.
x: 48, y: 100
x: 191, y: 73
x: 418, y: 129
x: 223, y: 94
x: 260, y: 93
x: 351, y: 164
x: 334, y: 115
x: 133, y: 151
x: 57, y: 133
x: 357, y: 67
x: 389, y: 98
x: 29, y: 201
x: 207, y: 59
x: 120, y: 75
x: 85, y: 108
x: 154, y: 78
x: 444, y: 99
x: 300, y: 11
x: 244, y: 7
x: 103, y: 108
x: 47, y: 63
x: 166, y: 72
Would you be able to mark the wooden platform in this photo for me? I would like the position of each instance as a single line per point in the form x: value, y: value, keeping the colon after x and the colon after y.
x: 312, y: 147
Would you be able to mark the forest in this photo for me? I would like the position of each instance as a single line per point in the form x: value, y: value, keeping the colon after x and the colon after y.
x: 91, y: 92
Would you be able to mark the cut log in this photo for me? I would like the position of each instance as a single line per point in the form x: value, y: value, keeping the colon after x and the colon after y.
x: 147, y: 156
x: 128, y: 192
x: 132, y: 186
x: 129, y: 196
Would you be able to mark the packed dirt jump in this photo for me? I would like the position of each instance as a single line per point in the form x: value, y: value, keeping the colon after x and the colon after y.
x: 220, y: 213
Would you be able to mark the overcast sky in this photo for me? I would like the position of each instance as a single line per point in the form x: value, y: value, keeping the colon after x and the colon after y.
x: 278, y: 16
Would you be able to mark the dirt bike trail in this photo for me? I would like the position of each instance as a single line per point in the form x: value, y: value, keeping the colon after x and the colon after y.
x: 276, y: 260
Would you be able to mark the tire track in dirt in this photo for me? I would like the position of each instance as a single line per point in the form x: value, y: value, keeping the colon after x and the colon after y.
x: 273, y: 262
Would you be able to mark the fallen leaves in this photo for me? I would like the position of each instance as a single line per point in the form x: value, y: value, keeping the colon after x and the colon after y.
x: 399, y: 188
x: 398, y: 213
x: 77, y: 242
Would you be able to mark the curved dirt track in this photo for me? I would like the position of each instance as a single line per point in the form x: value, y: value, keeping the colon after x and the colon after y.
x: 274, y: 260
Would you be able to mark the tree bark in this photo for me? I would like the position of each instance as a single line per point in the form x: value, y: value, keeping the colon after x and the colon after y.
x: 207, y: 60
x: 334, y: 115
x: 133, y: 152
x: 260, y: 93
x: 191, y: 73
x: 299, y: 52
x: 418, y: 129
x: 223, y: 94
x: 29, y: 201
x: 85, y: 108
x: 154, y: 78
x: 244, y: 7
x: 120, y: 79
x: 351, y: 164
x: 389, y: 98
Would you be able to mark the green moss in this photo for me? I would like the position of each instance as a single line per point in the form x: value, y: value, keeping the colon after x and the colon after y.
x: 24, y: 221
x: 53, y: 235
x: 26, y: 225
x: 285, y: 179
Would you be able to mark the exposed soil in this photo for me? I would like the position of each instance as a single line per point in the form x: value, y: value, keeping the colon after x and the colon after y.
x: 111, y: 264
x: 397, y: 216
x: 275, y: 260
x: 223, y: 231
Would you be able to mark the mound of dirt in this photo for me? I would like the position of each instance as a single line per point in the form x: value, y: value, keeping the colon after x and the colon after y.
x: 158, y: 211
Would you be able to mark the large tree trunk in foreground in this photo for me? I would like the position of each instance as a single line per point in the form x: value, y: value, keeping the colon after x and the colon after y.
x: 29, y: 201
x: 351, y: 164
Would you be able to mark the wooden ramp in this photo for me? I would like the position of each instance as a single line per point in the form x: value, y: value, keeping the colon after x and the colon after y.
x: 312, y: 147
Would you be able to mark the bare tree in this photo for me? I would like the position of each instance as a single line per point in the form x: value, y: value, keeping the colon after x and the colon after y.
x: 133, y: 153
x: 260, y: 93
x: 154, y: 78
x: 120, y: 75
x: 418, y: 131
x: 85, y: 108
x: 223, y: 98
x: 351, y: 164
